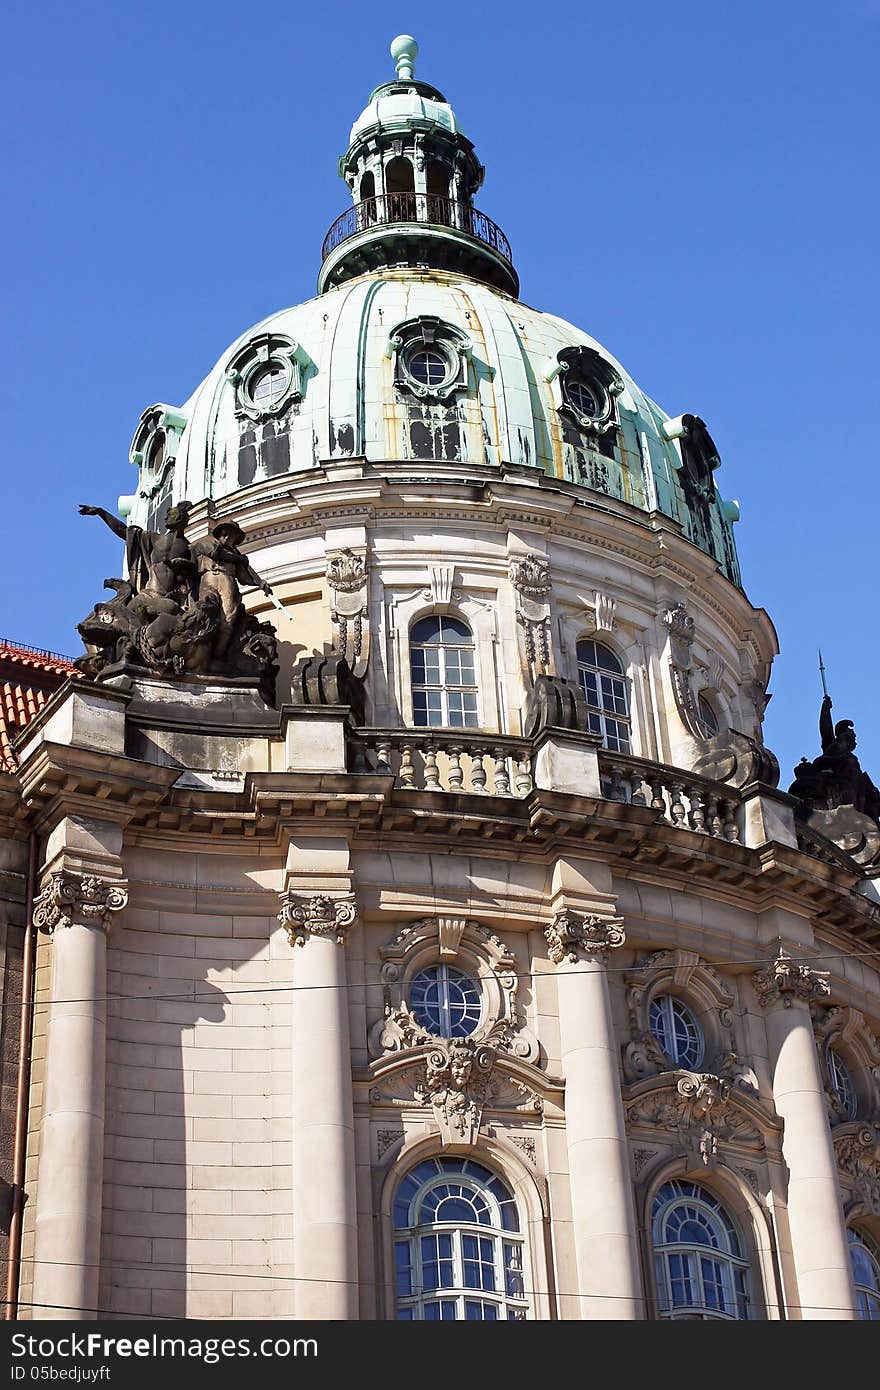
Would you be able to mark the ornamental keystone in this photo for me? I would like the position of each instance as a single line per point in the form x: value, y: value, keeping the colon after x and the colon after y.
x: 573, y: 932
x: 319, y: 915
x: 68, y: 896
x: 788, y: 979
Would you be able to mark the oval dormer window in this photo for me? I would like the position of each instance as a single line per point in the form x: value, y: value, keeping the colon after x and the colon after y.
x: 268, y: 386
x: 585, y: 396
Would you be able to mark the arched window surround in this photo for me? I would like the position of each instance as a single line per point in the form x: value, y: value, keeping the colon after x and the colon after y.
x: 601, y: 639
x: 406, y: 608
x: 846, y: 1031
x: 752, y: 1224
x: 455, y: 690
x: 500, y: 1156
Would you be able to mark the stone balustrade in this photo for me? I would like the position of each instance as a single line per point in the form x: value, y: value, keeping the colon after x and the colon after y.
x: 459, y: 761
x: 683, y: 799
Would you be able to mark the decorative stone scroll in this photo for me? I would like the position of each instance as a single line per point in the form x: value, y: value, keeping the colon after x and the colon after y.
x: 858, y: 1158
x: 681, y: 628
x: 68, y: 896
x: 573, y: 933
x: 787, y: 979
x: 319, y: 915
x: 530, y: 578
x: 701, y: 1109
x: 455, y: 1085
x: 349, y: 610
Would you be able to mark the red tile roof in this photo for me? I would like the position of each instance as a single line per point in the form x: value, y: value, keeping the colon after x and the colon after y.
x: 28, y: 677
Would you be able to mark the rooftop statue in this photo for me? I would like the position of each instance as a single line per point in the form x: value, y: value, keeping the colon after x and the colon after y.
x: 838, y: 798
x: 180, y: 611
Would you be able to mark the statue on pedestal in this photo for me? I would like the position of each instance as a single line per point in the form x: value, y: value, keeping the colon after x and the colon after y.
x: 180, y: 612
x: 839, y: 799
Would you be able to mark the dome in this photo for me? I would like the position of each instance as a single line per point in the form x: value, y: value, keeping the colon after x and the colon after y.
x: 522, y: 392
x: 405, y: 104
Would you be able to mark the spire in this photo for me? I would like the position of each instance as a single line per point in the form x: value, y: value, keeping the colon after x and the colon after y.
x: 404, y: 50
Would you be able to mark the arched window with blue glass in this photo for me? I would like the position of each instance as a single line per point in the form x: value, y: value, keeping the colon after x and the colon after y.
x: 605, y: 687
x: 444, y: 683
x: 699, y: 1265
x: 458, y: 1245
x: 865, y: 1261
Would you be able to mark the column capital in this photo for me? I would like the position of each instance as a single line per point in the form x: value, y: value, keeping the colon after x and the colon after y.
x: 68, y: 896
x: 788, y: 979
x: 317, y: 914
x: 572, y: 933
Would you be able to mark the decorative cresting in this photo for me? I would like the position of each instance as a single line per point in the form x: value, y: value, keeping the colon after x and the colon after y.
x: 68, y: 896
x: 318, y: 915
x: 701, y: 988
x: 681, y: 628
x: 571, y: 934
x: 530, y: 578
x: 846, y: 1031
x: 857, y: 1147
x: 349, y: 608
x: 702, y: 1113
x: 788, y: 979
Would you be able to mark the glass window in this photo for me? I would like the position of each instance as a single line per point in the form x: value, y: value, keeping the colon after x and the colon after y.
x: 156, y: 452
x: 444, y: 686
x: 602, y: 680
x: 585, y: 397
x: 445, y: 1001
x: 676, y: 1030
x: 842, y: 1083
x: 700, y: 1270
x: 269, y: 385
x: 707, y: 714
x: 866, y: 1273
x: 458, y: 1251
x: 428, y: 366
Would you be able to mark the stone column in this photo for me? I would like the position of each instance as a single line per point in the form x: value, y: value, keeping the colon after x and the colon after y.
x: 324, y: 1196
x: 603, y: 1211
x: 785, y: 988
x: 76, y: 909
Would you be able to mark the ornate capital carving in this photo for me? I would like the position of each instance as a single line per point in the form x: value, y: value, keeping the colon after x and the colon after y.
x: 787, y: 979
x: 68, y: 896
x: 346, y: 571
x: 318, y: 915
x: 573, y: 932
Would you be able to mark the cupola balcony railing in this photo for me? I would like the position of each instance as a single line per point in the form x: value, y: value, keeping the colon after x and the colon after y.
x: 424, y: 209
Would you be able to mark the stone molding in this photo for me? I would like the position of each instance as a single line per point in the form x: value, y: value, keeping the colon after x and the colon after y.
x: 317, y: 915
x: 702, y: 1110
x: 573, y: 933
x: 787, y: 979
x: 857, y: 1148
x: 69, y: 896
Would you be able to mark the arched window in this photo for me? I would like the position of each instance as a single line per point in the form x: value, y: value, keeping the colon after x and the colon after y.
x: 866, y: 1273
x: 367, y: 209
x: 444, y: 687
x: 437, y: 183
x: 604, y: 684
x: 701, y: 1273
x: 458, y: 1251
x: 400, y: 198
x: 676, y: 1030
x: 708, y: 716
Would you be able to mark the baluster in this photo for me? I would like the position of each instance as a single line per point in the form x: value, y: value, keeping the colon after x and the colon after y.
x: 677, y: 805
x: 636, y: 782
x: 524, y: 775
x: 616, y: 788
x: 456, y: 772
x: 359, y: 756
x: 658, y: 800
x: 502, y: 776
x: 478, y: 772
x: 432, y: 776
x: 407, y: 771
x: 698, y: 814
x: 383, y: 755
x: 731, y: 829
x: 713, y: 820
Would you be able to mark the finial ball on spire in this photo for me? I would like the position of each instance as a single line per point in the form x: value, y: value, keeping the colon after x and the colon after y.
x: 404, y: 51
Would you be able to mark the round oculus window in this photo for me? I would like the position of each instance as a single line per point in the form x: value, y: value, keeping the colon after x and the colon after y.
x: 676, y: 1030
x: 268, y: 385
x: 707, y: 714
x: 428, y: 366
x: 584, y: 396
x: 445, y: 1001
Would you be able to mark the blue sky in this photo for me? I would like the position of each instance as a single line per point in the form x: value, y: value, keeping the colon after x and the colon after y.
x: 693, y: 184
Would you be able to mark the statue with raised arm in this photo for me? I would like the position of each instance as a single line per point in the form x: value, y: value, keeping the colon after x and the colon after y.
x: 160, y: 564
x: 222, y: 568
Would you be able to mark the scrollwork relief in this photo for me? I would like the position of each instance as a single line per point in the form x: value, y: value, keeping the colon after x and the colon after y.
x: 69, y: 896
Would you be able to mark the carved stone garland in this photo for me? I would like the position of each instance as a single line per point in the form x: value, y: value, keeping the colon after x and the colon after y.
x: 318, y: 915
x: 349, y: 609
x: 680, y: 626
x: 68, y: 896
x: 530, y: 577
